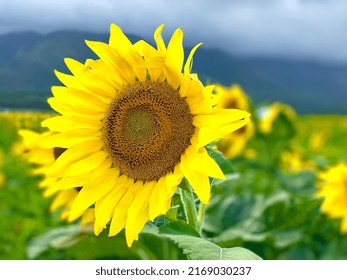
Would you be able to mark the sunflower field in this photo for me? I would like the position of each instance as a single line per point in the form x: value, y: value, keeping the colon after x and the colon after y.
x: 167, y: 168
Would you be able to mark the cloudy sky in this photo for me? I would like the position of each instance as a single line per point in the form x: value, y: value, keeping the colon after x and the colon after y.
x: 315, y: 29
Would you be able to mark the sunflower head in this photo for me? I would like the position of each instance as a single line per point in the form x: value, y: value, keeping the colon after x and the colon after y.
x: 268, y: 116
x: 317, y: 140
x: 147, y: 129
x: 332, y: 187
x: 33, y: 148
x: 2, y: 179
x: 234, y: 98
x: 294, y: 160
x: 134, y: 123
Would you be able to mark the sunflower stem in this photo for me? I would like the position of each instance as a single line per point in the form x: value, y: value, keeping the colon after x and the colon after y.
x: 201, y: 214
x: 187, y: 198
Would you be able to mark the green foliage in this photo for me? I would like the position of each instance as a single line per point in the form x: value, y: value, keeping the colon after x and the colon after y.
x: 201, y: 249
x: 327, y: 145
x: 23, y: 211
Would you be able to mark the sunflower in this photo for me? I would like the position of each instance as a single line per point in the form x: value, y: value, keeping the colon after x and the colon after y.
x: 42, y: 158
x: 333, y: 188
x: 134, y: 126
x: 2, y: 179
x: 233, y: 98
x: 268, y: 115
x: 294, y: 161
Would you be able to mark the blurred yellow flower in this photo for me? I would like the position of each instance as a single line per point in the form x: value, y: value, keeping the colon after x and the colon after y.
x: 2, y: 179
x: 293, y: 161
x: 26, y: 120
x: 134, y: 126
x: 333, y: 188
x: 269, y: 114
x: 317, y: 140
x: 250, y: 153
x: 233, y: 97
x: 42, y: 158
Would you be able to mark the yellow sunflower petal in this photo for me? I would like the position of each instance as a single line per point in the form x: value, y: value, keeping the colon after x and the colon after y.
x: 198, y: 181
x: 200, y: 103
x: 73, y: 154
x: 80, y: 97
x: 105, y: 206
x: 173, y: 180
x: 63, y: 198
x: 64, y: 184
x: 118, y: 38
x: 88, y: 217
x: 133, y: 235
x: 93, y: 84
x: 159, y: 193
x: 220, y: 117
x: 69, y: 80
x: 110, y: 58
x: 63, y: 108
x: 75, y: 67
x: 127, y: 52
x: 62, y: 124
x: 120, y: 211
x: 208, y: 135
x: 158, y: 38
x: 89, y: 194
x: 153, y: 60
x: 344, y: 224
x: 174, y: 59
x: 138, y: 212
x: 72, y: 137
x: 220, y: 123
x: 81, y: 104
x: 175, y: 52
x: 85, y: 165
x: 201, y: 162
x: 189, y: 62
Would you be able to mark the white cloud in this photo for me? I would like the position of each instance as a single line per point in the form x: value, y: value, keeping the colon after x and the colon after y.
x: 308, y: 28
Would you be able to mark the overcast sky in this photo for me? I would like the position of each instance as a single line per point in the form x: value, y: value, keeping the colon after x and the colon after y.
x: 298, y: 28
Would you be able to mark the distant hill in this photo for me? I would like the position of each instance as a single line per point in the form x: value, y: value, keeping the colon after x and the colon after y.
x: 27, y: 61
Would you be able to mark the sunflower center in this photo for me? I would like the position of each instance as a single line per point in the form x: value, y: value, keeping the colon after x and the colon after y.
x: 230, y: 104
x: 139, y: 124
x: 147, y: 129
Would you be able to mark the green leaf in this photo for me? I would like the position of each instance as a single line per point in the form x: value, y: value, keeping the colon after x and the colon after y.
x: 58, y: 238
x: 287, y: 238
x: 200, y: 249
x: 70, y: 242
x: 223, y: 163
x: 91, y: 247
x: 228, y: 178
x: 238, y: 234
x: 179, y: 228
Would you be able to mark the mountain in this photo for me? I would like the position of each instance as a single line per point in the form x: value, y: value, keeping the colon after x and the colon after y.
x: 27, y: 61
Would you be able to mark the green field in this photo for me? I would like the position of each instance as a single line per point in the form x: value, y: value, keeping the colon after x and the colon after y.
x: 268, y: 207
